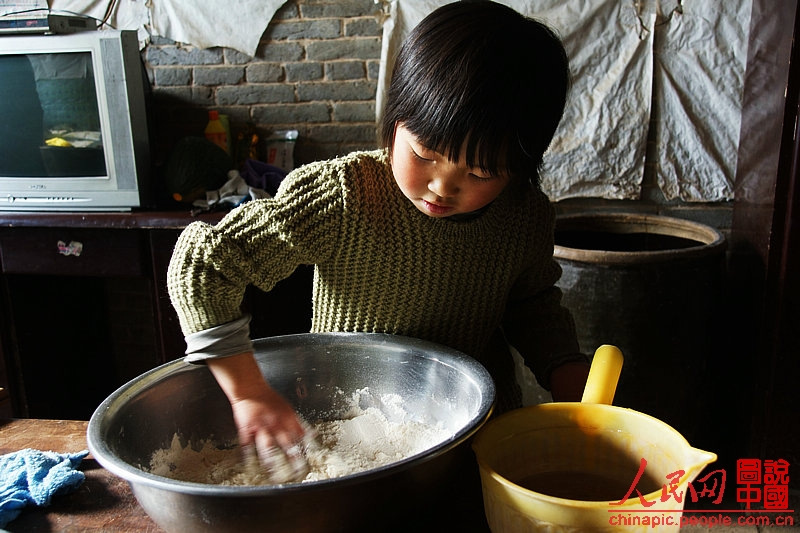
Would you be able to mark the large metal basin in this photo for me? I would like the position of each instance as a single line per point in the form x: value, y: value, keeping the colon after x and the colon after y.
x: 311, y: 370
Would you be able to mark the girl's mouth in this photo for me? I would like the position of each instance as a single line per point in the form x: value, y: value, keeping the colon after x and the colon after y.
x: 436, y: 209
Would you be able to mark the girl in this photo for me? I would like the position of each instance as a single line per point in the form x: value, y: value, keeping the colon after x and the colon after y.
x: 442, y: 235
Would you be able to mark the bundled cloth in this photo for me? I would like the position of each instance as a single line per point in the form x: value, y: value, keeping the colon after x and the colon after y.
x: 32, y: 477
x: 233, y: 193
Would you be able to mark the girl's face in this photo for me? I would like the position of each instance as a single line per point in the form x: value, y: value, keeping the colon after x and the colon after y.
x: 437, y: 186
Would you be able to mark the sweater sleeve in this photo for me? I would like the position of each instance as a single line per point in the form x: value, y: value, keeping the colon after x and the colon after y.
x: 535, y: 323
x: 259, y: 243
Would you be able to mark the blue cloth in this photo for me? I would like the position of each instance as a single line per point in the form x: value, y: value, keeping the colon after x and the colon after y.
x: 32, y: 477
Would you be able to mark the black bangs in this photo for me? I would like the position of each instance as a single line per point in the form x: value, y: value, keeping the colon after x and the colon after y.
x: 479, y: 76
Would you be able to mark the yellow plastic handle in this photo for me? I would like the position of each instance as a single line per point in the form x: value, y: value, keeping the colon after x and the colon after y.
x: 603, y: 375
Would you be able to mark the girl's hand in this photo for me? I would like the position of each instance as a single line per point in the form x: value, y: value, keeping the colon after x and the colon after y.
x: 568, y: 381
x: 263, y: 418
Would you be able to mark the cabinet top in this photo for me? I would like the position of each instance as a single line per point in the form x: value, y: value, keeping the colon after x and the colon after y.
x: 119, y: 220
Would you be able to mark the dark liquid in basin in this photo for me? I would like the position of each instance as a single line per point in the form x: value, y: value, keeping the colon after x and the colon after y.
x: 585, y: 486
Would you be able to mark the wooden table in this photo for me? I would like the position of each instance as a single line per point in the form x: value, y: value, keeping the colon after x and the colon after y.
x: 103, y: 502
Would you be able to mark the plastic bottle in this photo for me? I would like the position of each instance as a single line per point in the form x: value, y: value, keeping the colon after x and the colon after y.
x: 215, y: 131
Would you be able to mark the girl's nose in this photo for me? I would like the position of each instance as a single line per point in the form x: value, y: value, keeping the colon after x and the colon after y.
x: 443, y: 185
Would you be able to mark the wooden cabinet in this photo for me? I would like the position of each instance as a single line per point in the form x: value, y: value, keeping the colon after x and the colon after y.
x: 84, y: 306
x: 73, y: 251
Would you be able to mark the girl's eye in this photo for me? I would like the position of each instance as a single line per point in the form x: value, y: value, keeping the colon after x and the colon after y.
x: 416, y: 154
x: 481, y: 178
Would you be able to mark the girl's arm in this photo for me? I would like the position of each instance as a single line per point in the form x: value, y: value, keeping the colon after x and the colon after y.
x: 263, y: 417
x: 543, y: 332
x: 258, y: 244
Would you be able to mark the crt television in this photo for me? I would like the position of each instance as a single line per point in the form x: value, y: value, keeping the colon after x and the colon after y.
x: 73, y: 122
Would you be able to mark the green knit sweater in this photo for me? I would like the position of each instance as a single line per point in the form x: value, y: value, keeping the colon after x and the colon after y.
x: 383, y: 266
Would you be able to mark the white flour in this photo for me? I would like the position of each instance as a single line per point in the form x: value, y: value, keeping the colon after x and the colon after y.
x: 375, y: 431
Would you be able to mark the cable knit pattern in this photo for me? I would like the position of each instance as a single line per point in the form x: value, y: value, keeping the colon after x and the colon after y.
x: 383, y: 266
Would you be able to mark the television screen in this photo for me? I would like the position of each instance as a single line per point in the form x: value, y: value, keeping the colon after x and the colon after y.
x: 73, y: 126
x: 55, y: 97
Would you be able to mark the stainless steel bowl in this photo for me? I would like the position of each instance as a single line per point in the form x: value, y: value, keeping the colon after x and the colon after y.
x: 311, y: 370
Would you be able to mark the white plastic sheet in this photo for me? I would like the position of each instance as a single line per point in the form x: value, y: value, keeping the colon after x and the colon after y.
x: 700, y: 62
x: 236, y: 24
x: 599, y: 147
x: 676, y: 66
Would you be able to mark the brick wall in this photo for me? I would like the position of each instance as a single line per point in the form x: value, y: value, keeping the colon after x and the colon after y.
x: 315, y: 70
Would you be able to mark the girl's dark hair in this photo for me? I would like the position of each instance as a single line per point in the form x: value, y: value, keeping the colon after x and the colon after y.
x: 481, y: 73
